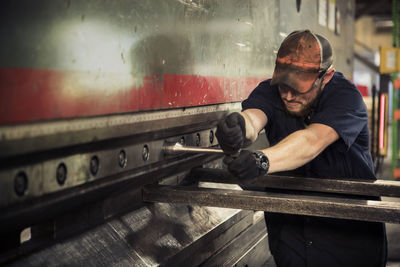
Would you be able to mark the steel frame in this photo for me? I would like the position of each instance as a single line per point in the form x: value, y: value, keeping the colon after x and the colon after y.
x: 305, y: 202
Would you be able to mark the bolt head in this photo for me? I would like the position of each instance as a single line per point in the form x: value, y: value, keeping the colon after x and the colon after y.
x: 198, y: 139
x: 145, y: 153
x: 20, y: 183
x: 61, y: 173
x: 122, y: 159
x: 94, y: 165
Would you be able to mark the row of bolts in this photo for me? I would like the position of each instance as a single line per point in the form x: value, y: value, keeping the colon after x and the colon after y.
x: 21, y: 179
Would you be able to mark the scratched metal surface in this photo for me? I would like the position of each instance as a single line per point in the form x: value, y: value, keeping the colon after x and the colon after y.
x: 148, y: 236
x: 141, y: 37
x: 83, y: 58
x: 75, y: 58
x: 69, y: 58
x: 202, y: 37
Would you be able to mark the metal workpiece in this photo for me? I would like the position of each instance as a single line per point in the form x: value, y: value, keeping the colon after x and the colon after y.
x: 177, y: 148
x: 331, y: 207
x: 339, y: 186
x: 159, y: 234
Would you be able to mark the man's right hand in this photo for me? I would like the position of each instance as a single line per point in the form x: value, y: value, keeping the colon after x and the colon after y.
x: 231, y: 133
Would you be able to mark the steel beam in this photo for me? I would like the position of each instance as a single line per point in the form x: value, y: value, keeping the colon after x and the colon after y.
x: 332, y: 207
x: 353, y: 187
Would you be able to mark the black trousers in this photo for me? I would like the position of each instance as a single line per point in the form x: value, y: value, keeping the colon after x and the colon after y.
x: 285, y: 256
x: 296, y: 240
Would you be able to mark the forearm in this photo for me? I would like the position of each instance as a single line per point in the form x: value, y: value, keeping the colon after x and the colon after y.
x: 255, y: 121
x: 294, y: 151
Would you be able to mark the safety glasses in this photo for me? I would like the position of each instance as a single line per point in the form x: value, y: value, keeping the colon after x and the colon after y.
x: 284, y: 89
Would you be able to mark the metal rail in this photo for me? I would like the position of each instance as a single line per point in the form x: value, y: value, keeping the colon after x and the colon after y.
x: 331, y: 207
x: 353, y: 187
x: 179, y: 148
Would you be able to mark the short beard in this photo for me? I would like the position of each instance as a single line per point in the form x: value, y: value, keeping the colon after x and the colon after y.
x: 307, y: 108
x: 302, y: 113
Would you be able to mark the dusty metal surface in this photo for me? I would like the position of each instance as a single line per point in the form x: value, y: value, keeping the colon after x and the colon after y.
x: 332, y: 207
x: 157, y: 234
x: 70, y: 59
x: 248, y: 249
x: 99, y: 57
x: 354, y: 187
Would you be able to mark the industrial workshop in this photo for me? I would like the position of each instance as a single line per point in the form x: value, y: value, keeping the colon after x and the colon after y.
x: 200, y: 133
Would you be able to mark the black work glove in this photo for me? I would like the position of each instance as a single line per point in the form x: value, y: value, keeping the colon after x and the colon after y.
x: 245, y: 167
x: 231, y: 133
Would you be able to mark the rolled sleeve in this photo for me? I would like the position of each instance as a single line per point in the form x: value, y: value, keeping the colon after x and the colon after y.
x: 263, y: 97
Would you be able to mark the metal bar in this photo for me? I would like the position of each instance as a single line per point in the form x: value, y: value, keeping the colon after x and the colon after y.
x: 179, y: 148
x: 353, y: 187
x: 354, y: 209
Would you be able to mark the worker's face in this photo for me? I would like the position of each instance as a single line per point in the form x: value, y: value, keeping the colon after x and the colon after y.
x: 298, y: 102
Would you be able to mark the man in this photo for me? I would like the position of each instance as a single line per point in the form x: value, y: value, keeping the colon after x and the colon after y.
x: 316, y: 123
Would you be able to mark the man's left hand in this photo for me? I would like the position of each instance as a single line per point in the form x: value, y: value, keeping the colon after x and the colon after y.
x: 245, y: 167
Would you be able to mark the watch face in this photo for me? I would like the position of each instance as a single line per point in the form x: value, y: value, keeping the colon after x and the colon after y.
x: 264, y: 165
x: 262, y: 161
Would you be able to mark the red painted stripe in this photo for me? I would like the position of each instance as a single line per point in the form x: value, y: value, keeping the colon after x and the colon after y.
x: 28, y: 95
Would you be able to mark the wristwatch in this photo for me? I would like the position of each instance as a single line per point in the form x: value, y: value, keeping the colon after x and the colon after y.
x: 262, y: 162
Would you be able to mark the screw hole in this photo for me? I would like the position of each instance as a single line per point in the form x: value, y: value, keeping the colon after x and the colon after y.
x: 145, y: 153
x: 94, y: 165
x: 122, y: 159
x: 182, y: 141
x: 61, y: 173
x: 198, y: 139
x: 20, y: 183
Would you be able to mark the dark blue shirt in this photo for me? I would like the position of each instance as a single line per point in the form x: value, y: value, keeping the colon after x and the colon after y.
x: 334, y: 242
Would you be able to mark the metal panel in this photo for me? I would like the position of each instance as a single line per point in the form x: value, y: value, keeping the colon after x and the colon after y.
x: 73, y: 58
